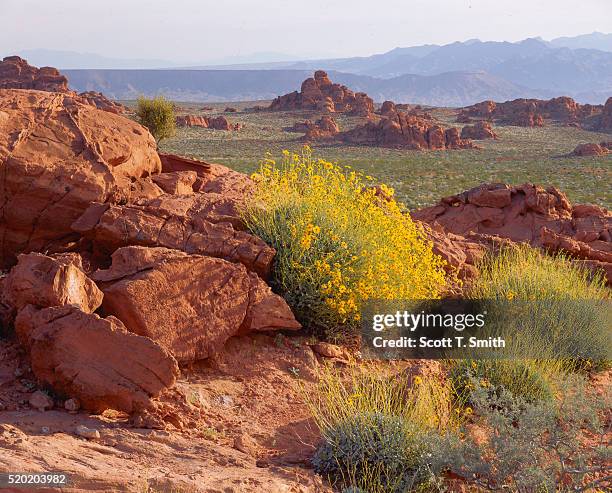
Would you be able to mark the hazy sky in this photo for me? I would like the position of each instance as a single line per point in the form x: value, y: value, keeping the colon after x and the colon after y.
x: 202, y: 30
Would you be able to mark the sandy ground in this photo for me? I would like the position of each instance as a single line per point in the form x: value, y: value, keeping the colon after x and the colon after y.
x: 234, y: 424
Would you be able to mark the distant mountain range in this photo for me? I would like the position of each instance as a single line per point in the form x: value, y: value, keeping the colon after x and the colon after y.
x: 455, y: 74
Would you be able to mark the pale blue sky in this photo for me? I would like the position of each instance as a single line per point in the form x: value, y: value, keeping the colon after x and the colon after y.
x: 204, y: 30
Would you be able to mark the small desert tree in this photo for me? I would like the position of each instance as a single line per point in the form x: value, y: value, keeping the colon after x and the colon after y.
x: 157, y: 115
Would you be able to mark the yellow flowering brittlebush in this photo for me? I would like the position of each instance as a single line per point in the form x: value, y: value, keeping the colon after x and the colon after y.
x: 340, y: 240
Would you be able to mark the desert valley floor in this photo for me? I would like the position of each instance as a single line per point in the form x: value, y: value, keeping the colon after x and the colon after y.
x: 535, y: 155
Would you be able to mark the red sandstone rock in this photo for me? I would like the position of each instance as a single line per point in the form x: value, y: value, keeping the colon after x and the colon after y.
x: 216, y: 123
x: 16, y: 73
x: 188, y: 303
x: 324, y: 128
x: 177, y: 182
x: 191, y: 121
x: 45, y: 281
x: 202, y: 223
x: 527, y: 213
x: 605, y: 120
x: 403, y: 130
x: 583, y: 150
x: 478, y: 131
x: 93, y: 359
x: 319, y: 93
x: 60, y: 155
x: 531, y: 112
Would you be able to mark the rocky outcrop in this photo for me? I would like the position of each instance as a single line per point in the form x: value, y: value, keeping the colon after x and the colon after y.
x: 320, y: 93
x: 212, y: 122
x: 99, y: 224
x: 58, y: 156
x: 402, y: 130
x: 93, y: 359
x: 585, y: 150
x: 193, y: 224
x: 605, y: 120
x: 530, y: 112
x: 527, y: 213
x: 190, y: 304
x: 478, y: 131
x: 322, y: 129
x: 16, y: 73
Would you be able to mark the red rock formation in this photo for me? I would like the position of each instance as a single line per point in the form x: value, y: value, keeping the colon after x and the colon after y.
x: 191, y: 121
x: 530, y: 112
x: 324, y: 128
x: 527, y: 213
x: 93, y: 359
x: 214, y: 122
x: 605, y: 120
x: 60, y: 155
x: 583, y: 150
x: 16, y: 73
x: 402, y: 130
x: 190, y: 304
x: 478, y: 131
x: 320, y: 93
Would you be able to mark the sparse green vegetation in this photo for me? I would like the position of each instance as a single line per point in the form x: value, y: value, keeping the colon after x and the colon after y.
x: 520, y: 155
x: 157, y: 115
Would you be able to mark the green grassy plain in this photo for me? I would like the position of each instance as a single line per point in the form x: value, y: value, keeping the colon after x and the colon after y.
x: 420, y: 178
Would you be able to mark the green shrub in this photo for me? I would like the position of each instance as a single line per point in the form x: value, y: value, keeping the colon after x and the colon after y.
x: 340, y: 241
x: 157, y: 115
x: 548, y: 446
x: 521, y: 378
x: 372, y: 450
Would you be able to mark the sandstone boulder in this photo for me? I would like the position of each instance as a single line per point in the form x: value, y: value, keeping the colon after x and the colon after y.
x: 45, y: 281
x: 93, y: 359
x: 214, y: 122
x: 528, y: 213
x: 479, y: 131
x: 585, y: 150
x: 404, y: 130
x: 190, y: 304
x: 205, y: 224
x: 58, y: 156
x: 324, y: 128
x: 191, y: 121
x: 320, y: 93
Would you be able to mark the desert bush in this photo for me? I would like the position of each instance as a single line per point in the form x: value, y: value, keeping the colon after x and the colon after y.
x: 157, y: 115
x: 372, y: 451
x: 560, y: 309
x: 549, y: 446
x: 376, y: 426
x: 340, y: 241
x: 521, y: 378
